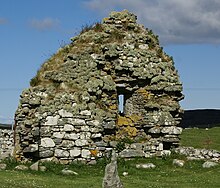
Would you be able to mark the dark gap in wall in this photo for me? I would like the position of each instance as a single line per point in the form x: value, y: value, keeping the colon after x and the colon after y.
x: 155, y: 135
x: 96, y: 139
x: 33, y: 155
x: 167, y: 145
x: 109, y: 131
x: 100, y: 66
x: 123, y: 72
x: 151, y: 108
x: 140, y: 83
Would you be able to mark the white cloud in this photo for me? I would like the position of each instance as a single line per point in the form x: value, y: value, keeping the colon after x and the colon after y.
x: 175, y: 21
x: 44, y: 24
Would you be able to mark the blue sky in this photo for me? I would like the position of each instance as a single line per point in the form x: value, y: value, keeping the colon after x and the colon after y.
x: 32, y: 30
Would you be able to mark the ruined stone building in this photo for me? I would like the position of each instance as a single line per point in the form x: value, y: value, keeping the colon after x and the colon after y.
x: 111, y: 87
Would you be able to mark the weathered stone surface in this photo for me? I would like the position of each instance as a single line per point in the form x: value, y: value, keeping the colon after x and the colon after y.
x: 67, y: 143
x: 58, y: 134
x: 111, y: 178
x: 178, y: 162
x: 47, y: 143
x: 72, y: 136
x: 21, y: 167
x: 146, y: 166
x: 128, y: 153
x: 81, y: 142
x: 6, y: 143
x: 75, y: 152
x: 93, y: 123
x: 63, y: 113
x: 68, y: 128
x: 50, y: 120
x: 35, y: 166
x: 85, y: 113
x: 68, y: 172
x: 155, y: 130
x: 31, y: 148
x: 195, y: 154
x: 42, y: 168
x: 61, y: 153
x: 209, y: 164
x: 92, y: 162
x: 78, y: 122
x: 85, y: 153
x: 3, y: 166
x: 46, y: 154
x: 172, y: 130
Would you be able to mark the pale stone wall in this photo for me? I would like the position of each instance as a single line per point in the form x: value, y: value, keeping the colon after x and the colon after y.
x: 6, y: 143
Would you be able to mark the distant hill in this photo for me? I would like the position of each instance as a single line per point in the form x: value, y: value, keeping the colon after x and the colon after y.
x: 205, y: 118
x: 5, y: 126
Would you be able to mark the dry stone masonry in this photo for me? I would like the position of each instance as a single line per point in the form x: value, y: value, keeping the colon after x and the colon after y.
x: 199, y: 154
x: 111, y: 87
x: 6, y: 142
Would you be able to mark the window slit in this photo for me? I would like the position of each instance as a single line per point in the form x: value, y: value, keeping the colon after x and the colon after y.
x: 121, y: 104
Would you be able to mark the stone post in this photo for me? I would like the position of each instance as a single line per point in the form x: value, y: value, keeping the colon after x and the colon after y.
x: 111, y: 178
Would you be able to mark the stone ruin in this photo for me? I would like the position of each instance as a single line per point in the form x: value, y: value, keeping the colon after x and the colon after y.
x: 113, y: 86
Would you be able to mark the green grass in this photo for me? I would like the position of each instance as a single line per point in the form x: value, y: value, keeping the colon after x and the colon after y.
x: 165, y: 175
x: 201, y: 138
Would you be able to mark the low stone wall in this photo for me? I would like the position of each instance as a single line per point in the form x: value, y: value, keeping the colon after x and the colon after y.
x: 199, y: 154
x: 128, y: 151
x: 6, y: 142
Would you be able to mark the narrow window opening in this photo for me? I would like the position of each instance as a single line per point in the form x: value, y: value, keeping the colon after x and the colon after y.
x: 121, y: 104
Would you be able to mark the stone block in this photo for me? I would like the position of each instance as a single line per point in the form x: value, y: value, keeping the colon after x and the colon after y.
x: 128, y: 153
x: 85, y: 153
x: 85, y: 113
x: 68, y: 128
x: 146, y: 165
x: 75, y: 152
x: 58, y: 134
x: 78, y: 122
x: 61, y: 153
x: 31, y: 148
x: 64, y: 114
x: 178, y: 162
x: 67, y: 144
x: 81, y: 142
x: 46, y: 154
x: 72, y: 136
x: 47, y: 143
x: 50, y: 120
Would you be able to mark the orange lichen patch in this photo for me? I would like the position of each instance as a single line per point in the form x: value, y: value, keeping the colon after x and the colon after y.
x: 113, y: 107
x: 94, y: 152
x: 146, y: 94
x: 126, y: 132
x: 131, y: 131
x: 124, y: 121
x: 135, y: 117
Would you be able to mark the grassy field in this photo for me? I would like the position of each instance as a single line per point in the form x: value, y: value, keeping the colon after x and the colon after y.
x: 201, y: 138
x: 165, y: 175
